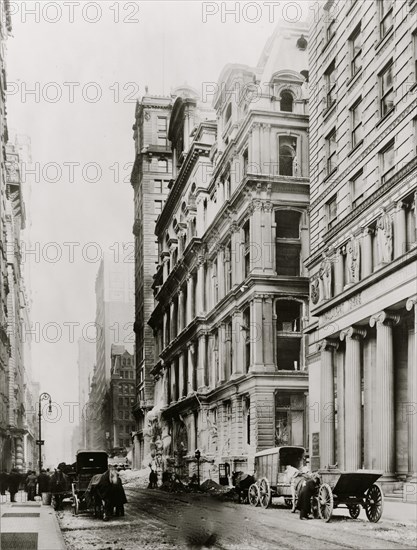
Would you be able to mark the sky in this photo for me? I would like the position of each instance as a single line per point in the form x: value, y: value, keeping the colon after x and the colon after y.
x: 75, y: 70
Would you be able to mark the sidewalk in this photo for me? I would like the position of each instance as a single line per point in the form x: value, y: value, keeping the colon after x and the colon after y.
x: 29, y: 526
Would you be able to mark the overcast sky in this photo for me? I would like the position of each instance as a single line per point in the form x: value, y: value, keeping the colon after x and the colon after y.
x: 87, y: 63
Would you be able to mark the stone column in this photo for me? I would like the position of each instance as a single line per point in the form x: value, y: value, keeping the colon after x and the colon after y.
x: 200, y: 289
x: 255, y: 231
x: 220, y: 273
x: 165, y: 329
x: 412, y: 393
x: 238, y: 344
x: 268, y: 327
x: 190, y: 299
x: 202, y: 374
x: 367, y: 252
x: 237, y: 256
x: 384, y: 392
x: 181, y: 317
x: 181, y: 389
x: 305, y: 242
x: 327, y: 349
x: 400, y: 230
x: 211, y: 358
x: 191, y: 369
x: 339, y: 272
x: 353, y: 397
x: 165, y: 267
x: 256, y: 336
x: 340, y: 433
x: 165, y: 382
x: 268, y: 242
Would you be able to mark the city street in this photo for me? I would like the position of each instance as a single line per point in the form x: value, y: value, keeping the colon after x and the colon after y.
x: 159, y: 520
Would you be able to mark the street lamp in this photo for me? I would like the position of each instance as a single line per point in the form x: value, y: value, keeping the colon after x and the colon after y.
x: 197, y: 455
x: 43, y: 397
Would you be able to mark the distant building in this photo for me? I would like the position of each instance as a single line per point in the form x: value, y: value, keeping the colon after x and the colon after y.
x: 114, y: 324
x: 362, y: 353
x: 118, y: 416
x: 231, y: 289
x: 86, y: 362
x: 151, y: 175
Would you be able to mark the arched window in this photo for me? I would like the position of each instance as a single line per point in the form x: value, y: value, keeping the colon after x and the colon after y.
x: 288, y: 156
x: 162, y: 165
x: 228, y: 113
x: 287, y: 101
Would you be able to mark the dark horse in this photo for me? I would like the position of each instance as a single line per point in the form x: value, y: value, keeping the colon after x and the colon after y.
x: 242, y: 482
x: 106, y: 493
x: 59, y: 488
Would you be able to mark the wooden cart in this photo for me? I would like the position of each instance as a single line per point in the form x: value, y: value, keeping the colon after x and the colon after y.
x: 270, y: 475
x: 351, y: 490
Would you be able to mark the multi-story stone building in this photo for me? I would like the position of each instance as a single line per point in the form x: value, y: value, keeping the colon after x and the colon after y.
x: 120, y: 401
x: 151, y: 174
x: 231, y: 288
x: 362, y: 330
x: 86, y: 361
x: 114, y: 324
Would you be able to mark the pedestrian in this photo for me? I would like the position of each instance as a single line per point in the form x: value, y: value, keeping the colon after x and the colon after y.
x: 15, y: 480
x: 306, y: 493
x: 4, y: 482
x: 44, y: 486
x: 30, y: 485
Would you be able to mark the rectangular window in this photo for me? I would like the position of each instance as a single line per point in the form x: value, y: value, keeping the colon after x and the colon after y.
x: 245, y: 162
x: 330, y: 17
x: 385, y: 16
x: 157, y: 207
x: 387, y: 162
x: 162, y: 165
x: 330, y: 78
x: 246, y: 332
x: 356, y: 123
x: 162, y: 131
x: 357, y: 184
x: 121, y: 415
x: 331, y: 208
x: 355, y: 43
x: 415, y: 55
x: 158, y: 186
x: 386, y: 89
x: 331, y: 152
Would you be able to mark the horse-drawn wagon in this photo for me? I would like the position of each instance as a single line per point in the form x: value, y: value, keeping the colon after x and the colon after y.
x: 271, y: 477
x: 351, y: 490
x: 88, y: 464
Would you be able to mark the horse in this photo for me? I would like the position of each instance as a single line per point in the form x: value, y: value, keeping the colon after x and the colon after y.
x: 242, y: 482
x: 106, y: 493
x: 59, y: 488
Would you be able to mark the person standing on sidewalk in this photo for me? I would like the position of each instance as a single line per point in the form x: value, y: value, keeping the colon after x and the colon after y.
x: 4, y: 482
x: 14, y: 483
x: 44, y: 486
x: 30, y: 485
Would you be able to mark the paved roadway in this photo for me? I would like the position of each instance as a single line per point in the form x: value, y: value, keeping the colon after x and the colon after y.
x: 159, y: 520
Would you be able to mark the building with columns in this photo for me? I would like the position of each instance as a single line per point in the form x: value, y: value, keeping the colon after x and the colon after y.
x: 363, y: 258
x: 152, y: 171
x: 231, y: 289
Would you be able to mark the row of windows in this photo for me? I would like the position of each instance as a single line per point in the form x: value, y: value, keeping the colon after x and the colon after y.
x: 126, y: 415
x: 126, y: 401
x: 127, y: 374
x: 126, y: 388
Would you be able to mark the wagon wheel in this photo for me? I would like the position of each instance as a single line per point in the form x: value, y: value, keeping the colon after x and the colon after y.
x: 265, y: 493
x: 288, y: 502
x: 354, y: 510
x: 325, y: 502
x: 253, y: 495
x: 374, y: 503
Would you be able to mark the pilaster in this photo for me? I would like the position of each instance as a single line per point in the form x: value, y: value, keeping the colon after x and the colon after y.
x: 327, y: 426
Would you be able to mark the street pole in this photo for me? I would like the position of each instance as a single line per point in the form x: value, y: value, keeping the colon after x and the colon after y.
x: 43, y: 396
x: 197, y: 455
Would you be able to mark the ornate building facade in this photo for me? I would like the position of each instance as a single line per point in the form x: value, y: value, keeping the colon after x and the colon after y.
x: 231, y: 289
x: 151, y: 174
x: 362, y: 329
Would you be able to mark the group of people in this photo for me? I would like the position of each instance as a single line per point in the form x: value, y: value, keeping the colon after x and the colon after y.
x: 32, y: 483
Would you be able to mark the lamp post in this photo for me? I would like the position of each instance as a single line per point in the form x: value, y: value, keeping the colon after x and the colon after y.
x: 43, y: 397
x: 197, y: 455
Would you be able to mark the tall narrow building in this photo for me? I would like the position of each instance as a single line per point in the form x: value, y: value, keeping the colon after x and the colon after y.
x: 363, y: 257
x: 150, y: 179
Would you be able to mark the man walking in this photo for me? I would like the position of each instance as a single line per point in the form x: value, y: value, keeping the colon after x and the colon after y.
x: 14, y: 483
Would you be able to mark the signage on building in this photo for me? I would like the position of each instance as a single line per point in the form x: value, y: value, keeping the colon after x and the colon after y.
x: 40, y: 442
x: 315, y: 444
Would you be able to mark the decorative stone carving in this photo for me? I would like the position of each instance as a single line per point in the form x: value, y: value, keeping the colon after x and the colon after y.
x: 388, y: 318
x: 315, y: 291
x: 353, y: 260
x: 384, y: 238
x: 326, y: 276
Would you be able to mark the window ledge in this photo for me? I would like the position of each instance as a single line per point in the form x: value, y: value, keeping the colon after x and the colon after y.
x: 330, y: 174
x: 413, y: 87
x: 354, y: 149
x: 354, y: 78
x: 329, y: 41
x: 381, y: 120
x: 384, y: 39
x: 327, y: 112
